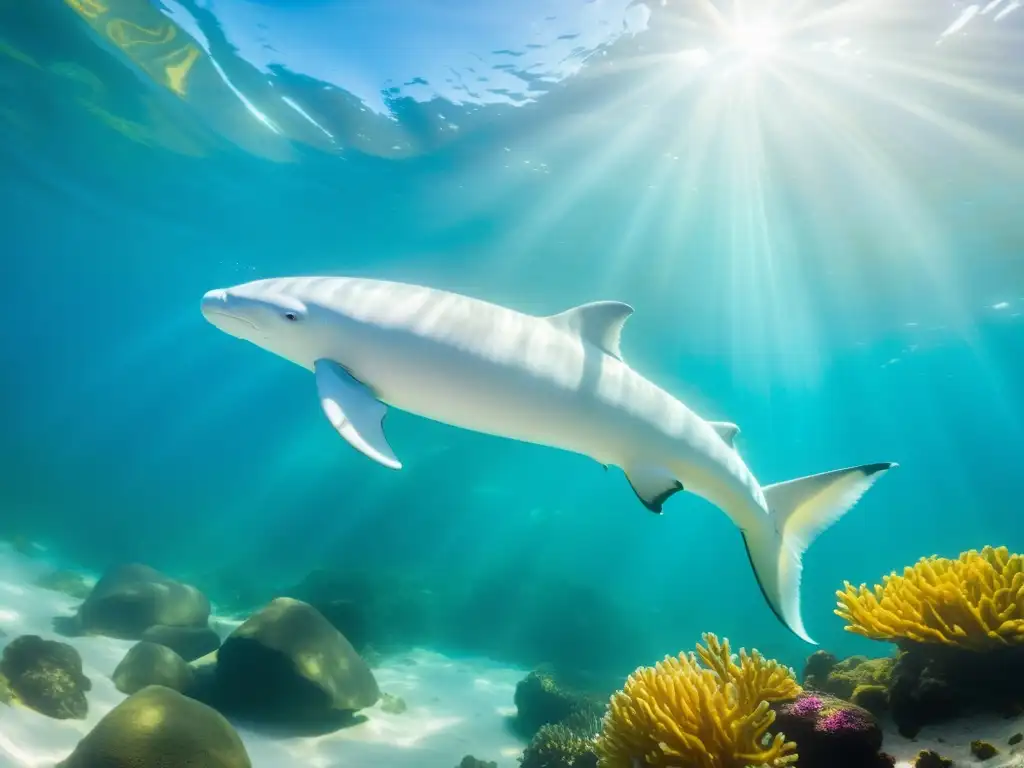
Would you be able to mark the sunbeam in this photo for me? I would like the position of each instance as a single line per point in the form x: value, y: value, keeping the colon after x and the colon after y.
x: 762, y: 107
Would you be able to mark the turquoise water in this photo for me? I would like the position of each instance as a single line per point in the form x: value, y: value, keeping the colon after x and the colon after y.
x: 821, y: 239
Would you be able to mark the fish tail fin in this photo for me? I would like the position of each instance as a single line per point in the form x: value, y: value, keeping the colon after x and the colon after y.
x: 800, y: 510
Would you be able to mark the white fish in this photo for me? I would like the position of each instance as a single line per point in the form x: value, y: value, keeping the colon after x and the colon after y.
x: 558, y: 381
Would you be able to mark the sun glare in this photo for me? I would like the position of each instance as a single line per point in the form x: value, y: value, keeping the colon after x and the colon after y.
x: 819, y: 150
x: 756, y: 40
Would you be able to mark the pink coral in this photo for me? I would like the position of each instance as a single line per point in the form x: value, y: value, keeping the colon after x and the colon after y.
x: 806, y: 706
x: 838, y: 720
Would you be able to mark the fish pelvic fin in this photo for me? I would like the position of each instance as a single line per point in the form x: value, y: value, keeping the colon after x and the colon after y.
x: 800, y: 510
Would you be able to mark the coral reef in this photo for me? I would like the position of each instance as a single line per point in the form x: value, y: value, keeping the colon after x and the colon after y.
x: 287, y: 664
x: 129, y: 599
x: 1017, y: 738
x: 152, y: 664
x: 975, y: 602
x: 471, y: 762
x: 158, y: 726
x: 959, y: 625
x: 830, y: 733
x: 541, y: 700
x: 46, y: 675
x: 559, y: 746
x: 190, y: 643
x: 702, y: 710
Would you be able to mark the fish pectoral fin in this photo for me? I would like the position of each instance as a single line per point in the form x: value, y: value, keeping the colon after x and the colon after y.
x: 727, y: 431
x: 354, y: 411
x: 599, y: 322
x: 653, y: 485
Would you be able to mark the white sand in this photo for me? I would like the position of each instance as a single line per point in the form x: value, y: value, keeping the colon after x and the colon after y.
x: 953, y: 741
x: 455, y: 707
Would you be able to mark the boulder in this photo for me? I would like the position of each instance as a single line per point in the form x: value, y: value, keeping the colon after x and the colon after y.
x: 152, y: 664
x: 830, y: 732
x: 46, y: 675
x: 540, y: 700
x: 130, y: 599
x: 287, y: 663
x: 159, y: 727
x: 190, y: 643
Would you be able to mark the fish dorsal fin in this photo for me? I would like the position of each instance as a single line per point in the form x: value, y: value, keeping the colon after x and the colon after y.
x: 727, y: 431
x: 599, y: 322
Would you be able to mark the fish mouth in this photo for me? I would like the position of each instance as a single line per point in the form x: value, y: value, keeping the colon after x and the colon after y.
x: 216, y: 308
x: 227, y: 316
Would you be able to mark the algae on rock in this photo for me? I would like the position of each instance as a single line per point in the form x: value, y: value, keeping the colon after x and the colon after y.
x: 152, y: 664
x: 47, y: 676
x: 286, y: 663
x: 159, y: 727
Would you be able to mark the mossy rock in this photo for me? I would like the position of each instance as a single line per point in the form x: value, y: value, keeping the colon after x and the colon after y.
x: 287, y: 662
x: 541, y: 700
x: 130, y: 599
x: 68, y: 582
x: 159, y: 727
x: 929, y: 758
x: 190, y: 643
x: 983, y: 750
x: 152, y: 664
x: 843, y: 678
x: 46, y: 675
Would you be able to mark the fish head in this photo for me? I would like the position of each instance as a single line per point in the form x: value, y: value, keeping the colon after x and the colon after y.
x: 267, y: 314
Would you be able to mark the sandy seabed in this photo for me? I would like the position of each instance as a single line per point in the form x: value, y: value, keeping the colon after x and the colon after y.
x: 455, y: 707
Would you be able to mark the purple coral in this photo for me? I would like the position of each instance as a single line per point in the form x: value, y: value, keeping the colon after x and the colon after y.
x: 836, y: 719
x: 806, y: 706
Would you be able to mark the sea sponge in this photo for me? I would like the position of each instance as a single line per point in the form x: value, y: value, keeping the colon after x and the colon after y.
x: 712, y: 716
x: 975, y: 602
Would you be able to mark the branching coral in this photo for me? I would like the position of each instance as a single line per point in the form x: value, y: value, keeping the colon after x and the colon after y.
x: 714, y: 715
x: 975, y: 602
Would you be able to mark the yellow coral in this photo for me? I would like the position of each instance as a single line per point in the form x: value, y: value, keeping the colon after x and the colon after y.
x: 679, y: 713
x: 974, y: 602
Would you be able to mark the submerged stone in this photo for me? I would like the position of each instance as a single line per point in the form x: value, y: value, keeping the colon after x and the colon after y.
x: 130, y: 599
x: 152, y: 664
x: 287, y: 662
x: 159, y: 727
x: 46, y: 675
x: 190, y: 643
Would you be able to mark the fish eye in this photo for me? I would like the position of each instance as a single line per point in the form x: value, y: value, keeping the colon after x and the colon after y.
x: 290, y: 316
